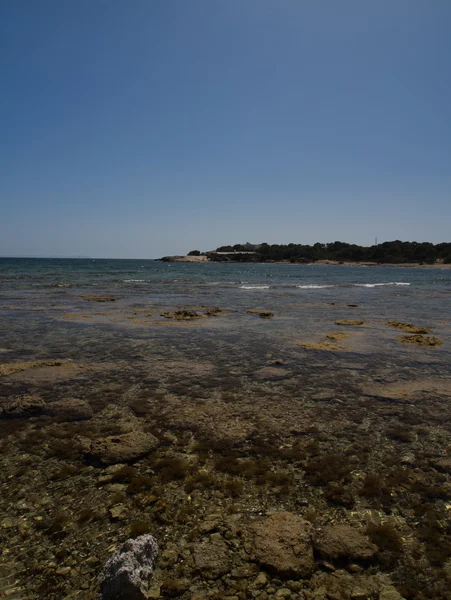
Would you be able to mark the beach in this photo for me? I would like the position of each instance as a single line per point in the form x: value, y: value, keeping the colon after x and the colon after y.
x: 224, y: 408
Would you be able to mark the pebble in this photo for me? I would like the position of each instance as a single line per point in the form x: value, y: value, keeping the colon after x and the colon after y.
x: 261, y: 580
x: 283, y: 593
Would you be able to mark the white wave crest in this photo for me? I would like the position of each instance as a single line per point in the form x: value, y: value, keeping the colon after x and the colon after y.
x: 134, y: 280
x: 254, y: 287
x: 312, y: 286
x: 373, y: 285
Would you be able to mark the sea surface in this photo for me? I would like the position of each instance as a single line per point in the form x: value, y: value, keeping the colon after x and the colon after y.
x: 330, y: 408
x: 45, y: 305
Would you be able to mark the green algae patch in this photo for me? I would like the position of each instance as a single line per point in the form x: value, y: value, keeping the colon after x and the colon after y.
x: 349, y: 322
x: 408, y: 327
x: 320, y: 346
x: 263, y: 314
x: 429, y: 341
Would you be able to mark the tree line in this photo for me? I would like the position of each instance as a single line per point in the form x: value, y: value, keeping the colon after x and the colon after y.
x: 387, y: 252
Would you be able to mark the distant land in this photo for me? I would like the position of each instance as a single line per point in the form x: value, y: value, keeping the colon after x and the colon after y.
x: 386, y: 253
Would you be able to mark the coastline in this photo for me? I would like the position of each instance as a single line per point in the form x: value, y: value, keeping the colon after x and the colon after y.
x: 204, y: 259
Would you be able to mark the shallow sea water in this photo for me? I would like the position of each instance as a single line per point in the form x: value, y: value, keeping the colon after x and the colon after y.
x: 236, y: 387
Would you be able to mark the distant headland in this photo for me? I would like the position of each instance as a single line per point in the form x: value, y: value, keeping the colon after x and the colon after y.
x: 387, y: 253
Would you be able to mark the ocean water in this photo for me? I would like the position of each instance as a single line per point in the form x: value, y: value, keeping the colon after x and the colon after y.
x: 44, y: 310
x: 148, y: 277
x: 326, y: 376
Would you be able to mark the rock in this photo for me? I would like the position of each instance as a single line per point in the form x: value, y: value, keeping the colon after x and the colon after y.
x: 271, y: 373
x: 182, y: 315
x: 282, y: 543
x: 173, y: 588
x: 99, y: 298
x: 343, y: 542
x: 243, y: 572
x: 123, y: 448
x: 211, y: 559
x: 444, y: 465
x: 421, y: 340
x: 283, y: 593
x: 209, y: 526
x: 127, y: 574
x: 388, y: 592
x: 69, y: 409
x: 118, y: 512
x: 261, y: 580
x: 214, y: 312
x: 22, y: 406
x: 263, y: 314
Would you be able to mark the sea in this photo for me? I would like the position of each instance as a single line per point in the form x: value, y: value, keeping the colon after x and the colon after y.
x: 44, y: 308
x: 282, y: 388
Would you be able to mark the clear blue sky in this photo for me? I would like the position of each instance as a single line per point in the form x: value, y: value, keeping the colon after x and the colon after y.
x: 146, y: 127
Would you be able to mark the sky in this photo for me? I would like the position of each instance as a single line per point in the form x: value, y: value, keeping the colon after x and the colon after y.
x: 150, y: 127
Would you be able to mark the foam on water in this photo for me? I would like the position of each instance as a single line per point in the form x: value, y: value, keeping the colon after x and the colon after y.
x: 372, y: 285
x: 313, y: 286
x: 254, y: 287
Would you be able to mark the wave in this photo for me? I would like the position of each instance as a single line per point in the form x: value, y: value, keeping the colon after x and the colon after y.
x: 254, y: 287
x: 312, y: 286
x: 134, y: 280
x: 372, y: 285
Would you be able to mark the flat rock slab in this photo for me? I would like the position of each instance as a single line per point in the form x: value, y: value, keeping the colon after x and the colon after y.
x: 22, y: 406
x: 282, y: 544
x: 444, y: 465
x: 343, y: 542
x: 211, y: 558
x: 271, y: 373
x: 69, y: 409
x: 123, y: 448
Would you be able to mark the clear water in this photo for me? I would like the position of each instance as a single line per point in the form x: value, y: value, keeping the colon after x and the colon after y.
x: 40, y: 301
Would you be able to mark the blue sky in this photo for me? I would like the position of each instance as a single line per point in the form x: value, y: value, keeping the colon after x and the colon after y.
x: 149, y: 127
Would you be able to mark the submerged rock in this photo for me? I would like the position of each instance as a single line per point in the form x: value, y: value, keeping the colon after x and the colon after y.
x: 349, y: 322
x: 22, y: 406
x: 389, y: 592
x: 127, y: 574
x: 263, y: 314
x: 99, y: 298
x: 123, y: 448
x: 408, y: 327
x: 320, y: 346
x: 182, y: 315
x: 282, y: 544
x: 211, y: 558
x: 69, y: 409
x: 421, y: 340
x: 271, y: 373
x: 343, y: 542
x: 214, y: 312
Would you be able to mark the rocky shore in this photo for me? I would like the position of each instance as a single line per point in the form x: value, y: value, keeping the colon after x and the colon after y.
x: 305, y: 466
